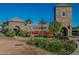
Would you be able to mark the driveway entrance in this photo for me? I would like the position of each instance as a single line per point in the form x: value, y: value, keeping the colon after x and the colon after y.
x: 16, y: 47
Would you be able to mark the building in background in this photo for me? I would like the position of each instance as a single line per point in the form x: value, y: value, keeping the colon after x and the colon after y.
x: 18, y: 24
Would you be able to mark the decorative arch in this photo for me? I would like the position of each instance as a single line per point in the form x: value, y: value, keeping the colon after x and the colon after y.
x: 16, y: 29
x: 64, y: 31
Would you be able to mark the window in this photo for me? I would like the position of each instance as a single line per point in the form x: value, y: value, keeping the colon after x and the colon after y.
x: 63, y: 13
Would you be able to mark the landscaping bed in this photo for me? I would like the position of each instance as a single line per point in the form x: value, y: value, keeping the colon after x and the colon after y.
x: 54, y: 45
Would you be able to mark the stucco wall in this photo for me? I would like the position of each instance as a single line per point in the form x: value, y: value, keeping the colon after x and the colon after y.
x: 67, y: 19
x: 21, y: 25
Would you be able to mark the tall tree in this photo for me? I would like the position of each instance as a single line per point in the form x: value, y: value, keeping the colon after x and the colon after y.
x: 28, y: 21
x: 55, y: 27
x: 4, y: 24
x: 42, y: 21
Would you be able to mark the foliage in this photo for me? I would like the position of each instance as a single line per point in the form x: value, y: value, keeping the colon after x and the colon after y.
x: 22, y: 33
x: 40, y: 35
x: 55, y: 27
x: 70, y: 47
x: 10, y: 34
x: 4, y: 24
x: 53, y: 45
x: 28, y: 21
x: 42, y: 21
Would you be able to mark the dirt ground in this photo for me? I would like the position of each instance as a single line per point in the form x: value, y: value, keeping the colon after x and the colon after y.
x: 16, y: 47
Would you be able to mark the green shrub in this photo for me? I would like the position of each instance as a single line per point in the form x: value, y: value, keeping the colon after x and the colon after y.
x: 22, y: 33
x: 70, y: 48
x: 33, y: 42
x: 42, y: 43
x: 38, y: 36
x: 53, y: 45
x: 41, y: 35
x: 10, y: 34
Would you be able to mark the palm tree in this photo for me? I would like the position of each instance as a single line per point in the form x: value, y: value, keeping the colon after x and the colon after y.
x: 42, y: 21
x: 4, y: 26
x: 28, y: 21
x: 5, y: 23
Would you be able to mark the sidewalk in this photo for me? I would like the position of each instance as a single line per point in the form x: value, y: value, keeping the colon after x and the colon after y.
x: 76, y: 52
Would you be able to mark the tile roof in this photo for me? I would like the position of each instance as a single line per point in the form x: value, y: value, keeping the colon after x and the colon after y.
x: 16, y: 19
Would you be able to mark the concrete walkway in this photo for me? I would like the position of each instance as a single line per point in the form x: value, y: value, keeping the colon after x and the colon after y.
x: 76, y: 52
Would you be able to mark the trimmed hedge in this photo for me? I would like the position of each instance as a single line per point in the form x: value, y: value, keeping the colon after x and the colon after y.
x: 53, y: 45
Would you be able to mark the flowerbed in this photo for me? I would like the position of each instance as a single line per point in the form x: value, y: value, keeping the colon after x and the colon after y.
x: 56, y: 46
x: 42, y: 33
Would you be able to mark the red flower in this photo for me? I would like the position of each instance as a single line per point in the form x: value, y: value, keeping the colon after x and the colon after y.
x: 42, y: 32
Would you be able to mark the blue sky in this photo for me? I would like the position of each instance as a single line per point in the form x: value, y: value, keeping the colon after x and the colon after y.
x: 34, y: 11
